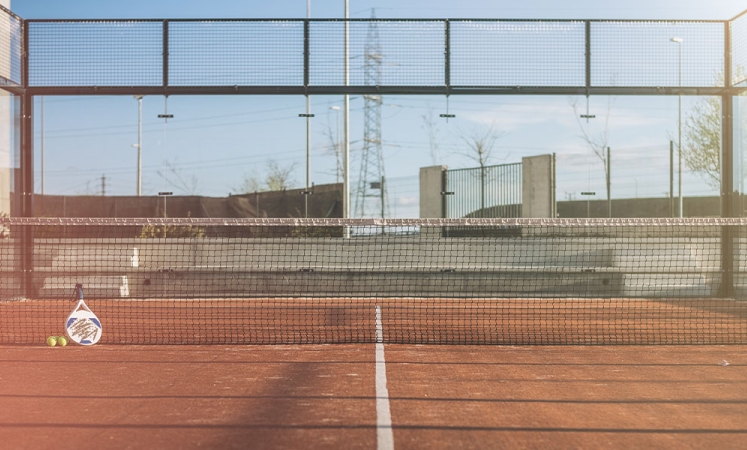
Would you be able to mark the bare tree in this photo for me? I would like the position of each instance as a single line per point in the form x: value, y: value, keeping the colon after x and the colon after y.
x: 430, y: 127
x: 249, y: 183
x: 480, y: 144
x: 176, y: 178
x: 598, y: 141
x: 276, y: 178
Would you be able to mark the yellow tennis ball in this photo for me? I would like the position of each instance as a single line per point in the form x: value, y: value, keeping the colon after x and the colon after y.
x: 62, y: 341
x: 51, y: 341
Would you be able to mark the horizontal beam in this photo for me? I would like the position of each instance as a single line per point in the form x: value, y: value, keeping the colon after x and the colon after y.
x: 380, y: 90
x: 370, y: 19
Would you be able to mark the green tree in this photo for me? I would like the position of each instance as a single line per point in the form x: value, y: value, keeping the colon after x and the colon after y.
x: 3, y: 230
x: 701, y: 135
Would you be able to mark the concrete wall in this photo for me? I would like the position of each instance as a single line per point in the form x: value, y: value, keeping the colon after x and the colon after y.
x: 640, y: 207
x: 538, y: 186
x: 431, y: 185
x: 554, y: 266
x: 324, y: 202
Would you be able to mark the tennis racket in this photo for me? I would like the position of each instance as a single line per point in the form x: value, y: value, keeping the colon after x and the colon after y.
x: 82, y: 325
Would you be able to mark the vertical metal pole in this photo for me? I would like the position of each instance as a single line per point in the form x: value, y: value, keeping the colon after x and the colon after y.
x: 727, y: 172
x: 42, y: 145
x: 553, y: 197
x: 587, y: 56
x: 27, y: 171
x: 444, y: 190
x: 338, y: 145
x: 308, y: 109
x: 308, y: 157
x: 728, y: 233
x: 382, y: 197
x: 27, y: 192
x: 447, y: 56
x: 609, y: 184
x: 482, y: 190
x: 679, y: 132
x: 346, y: 122
x: 165, y: 55
x: 671, y: 178
x: 139, y: 145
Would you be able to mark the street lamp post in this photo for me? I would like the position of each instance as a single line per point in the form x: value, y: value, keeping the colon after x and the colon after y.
x: 588, y: 196
x: 678, y: 41
x: 139, y: 144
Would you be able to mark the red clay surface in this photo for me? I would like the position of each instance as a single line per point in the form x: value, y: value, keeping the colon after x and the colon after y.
x: 323, y: 396
x: 405, y: 320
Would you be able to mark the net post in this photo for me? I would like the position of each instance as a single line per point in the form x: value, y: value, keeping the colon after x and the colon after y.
x: 27, y: 169
x: 27, y: 186
x: 727, y: 172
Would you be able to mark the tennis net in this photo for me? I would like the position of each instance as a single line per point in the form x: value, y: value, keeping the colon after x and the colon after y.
x: 454, y: 281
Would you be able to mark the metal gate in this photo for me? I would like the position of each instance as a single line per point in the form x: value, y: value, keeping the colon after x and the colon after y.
x: 483, y: 192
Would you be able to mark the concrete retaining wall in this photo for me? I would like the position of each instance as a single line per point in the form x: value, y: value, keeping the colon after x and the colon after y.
x: 374, y: 266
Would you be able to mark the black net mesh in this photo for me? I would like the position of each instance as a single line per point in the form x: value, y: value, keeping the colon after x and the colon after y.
x: 381, y: 52
x: 739, y: 51
x: 227, y: 53
x: 98, y: 53
x: 522, y: 281
x: 481, y: 53
x: 645, y: 54
x: 10, y: 48
x: 511, y: 53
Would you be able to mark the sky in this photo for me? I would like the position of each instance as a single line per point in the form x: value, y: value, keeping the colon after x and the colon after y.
x: 213, y: 145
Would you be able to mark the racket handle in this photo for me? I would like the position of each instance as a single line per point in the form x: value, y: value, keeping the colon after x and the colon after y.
x: 78, y: 293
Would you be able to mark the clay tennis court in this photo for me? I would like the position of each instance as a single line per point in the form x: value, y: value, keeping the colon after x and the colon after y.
x: 334, y: 396
x: 324, y: 396
x: 623, y: 339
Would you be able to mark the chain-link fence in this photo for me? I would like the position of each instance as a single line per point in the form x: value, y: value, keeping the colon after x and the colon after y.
x: 739, y: 51
x: 10, y: 48
x: 412, y: 53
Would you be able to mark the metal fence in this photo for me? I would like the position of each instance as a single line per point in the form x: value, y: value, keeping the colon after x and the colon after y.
x: 419, y: 56
x: 10, y: 48
x: 483, y: 192
x: 739, y: 50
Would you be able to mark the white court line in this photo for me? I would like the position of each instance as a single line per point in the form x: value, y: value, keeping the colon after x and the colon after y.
x: 384, y: 436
